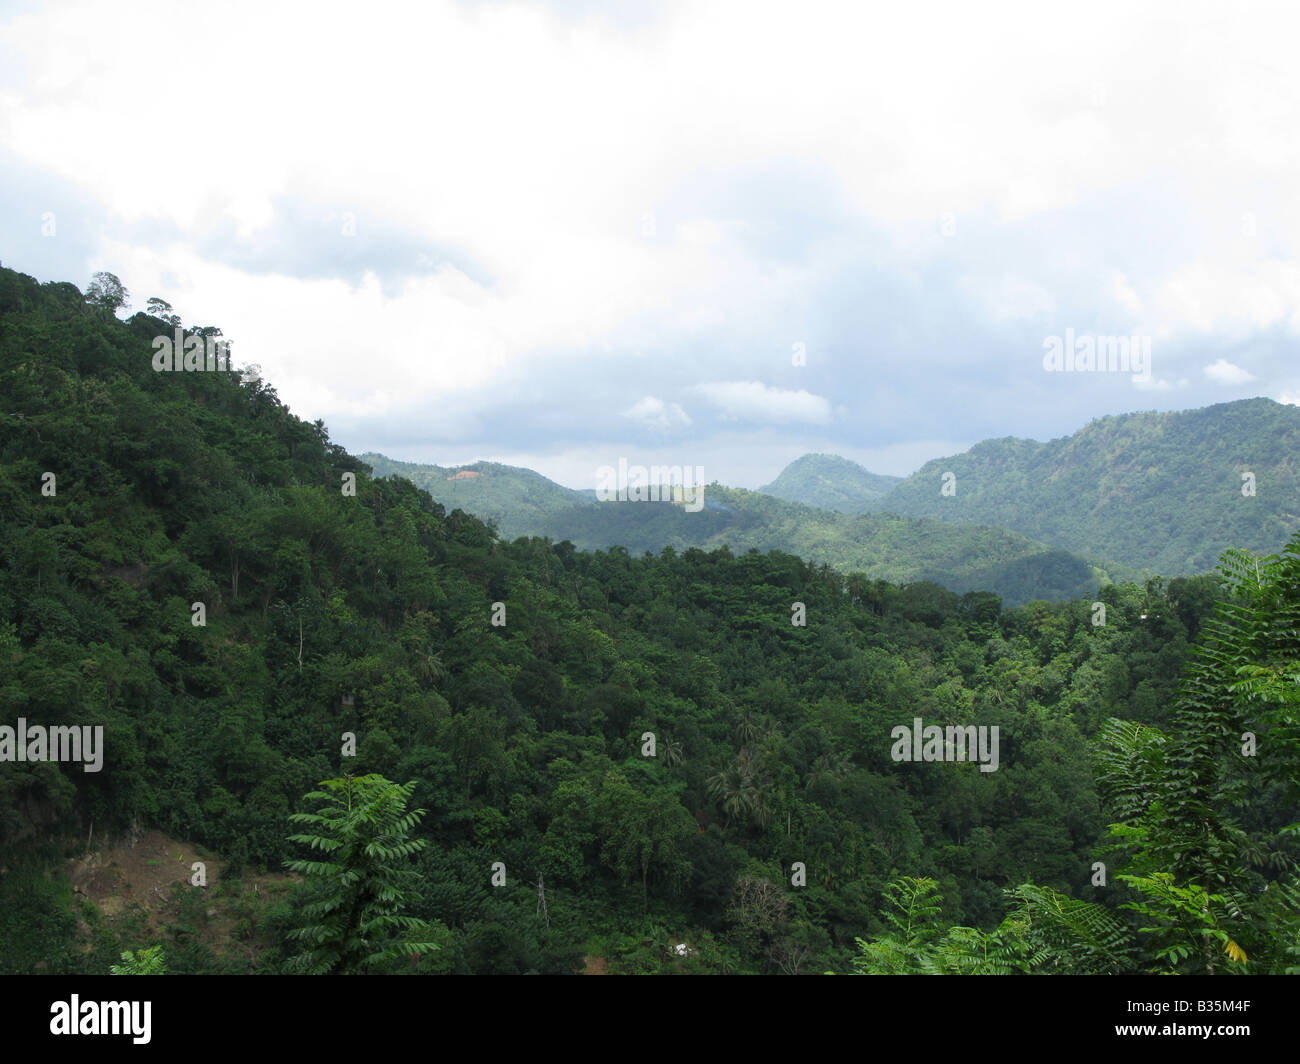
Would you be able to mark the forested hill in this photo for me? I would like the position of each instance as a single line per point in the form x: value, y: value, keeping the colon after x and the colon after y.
x: 882, y: 546
x: 185, y: 565
x: 1166, y: 492
x: 831, y: 483
x: 514, y: 499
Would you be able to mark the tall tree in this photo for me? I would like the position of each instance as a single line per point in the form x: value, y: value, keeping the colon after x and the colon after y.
x: 1180, y: 798
x: 161, y: 309
x: 356, y: 897
x: 107, y: 292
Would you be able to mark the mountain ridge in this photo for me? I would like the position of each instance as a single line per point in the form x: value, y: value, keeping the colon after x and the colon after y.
x: 1152, y: 490
x: 1127, y: 495
x: 878, y: 545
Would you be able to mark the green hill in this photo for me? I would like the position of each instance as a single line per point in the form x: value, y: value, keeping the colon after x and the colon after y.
x: 1160, y: 492
x: 513, y: 499
x: 880, y: 546
x: 830, y: 483
x: 521, y: 502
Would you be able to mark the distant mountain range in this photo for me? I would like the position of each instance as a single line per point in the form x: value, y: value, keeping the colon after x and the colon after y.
x: 1124, y: 497
x: 1153, y: 491
x: 883, y: 546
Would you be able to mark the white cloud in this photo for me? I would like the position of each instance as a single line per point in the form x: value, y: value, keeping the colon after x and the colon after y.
x: 1159, y: 384
x: 1008, y: 298
x: 532, y: 144
x: 1233, y: 300
x: 755, y: 401
x: 1125, y: 295
x: 1224, y: 372
x: 654, y: 413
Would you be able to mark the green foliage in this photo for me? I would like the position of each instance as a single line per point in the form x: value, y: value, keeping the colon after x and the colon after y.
x: 371, y: 614
x: 149, y: 961
x: 914, y: 913
x: 1211, y: 894
x: 1187, y: 923
x: 1159, y: 492
x: 38, y: 926
x: 1057, y: 934
x: 509, y: 498
x: 830, y: 483
x: 107, y: 293
x: 356, y: 896
x: 1201, y: 850
x: 877, y: 546
x: 1044, y: 932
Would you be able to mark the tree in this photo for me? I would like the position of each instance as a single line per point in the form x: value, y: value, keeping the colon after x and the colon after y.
x: 642, y: 831
x: 748, y: 727
x: 107, y: 292
x: 160, y: 308
x: 918, y: 945
x: 729, y: 788
x: 356, y: 896
x: 912, y: 911
x: 1179, y: 799
x: 758, y: 912
x: 474, y: 740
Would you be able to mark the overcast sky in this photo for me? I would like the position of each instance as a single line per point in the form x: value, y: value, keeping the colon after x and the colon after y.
x: 559, y: 234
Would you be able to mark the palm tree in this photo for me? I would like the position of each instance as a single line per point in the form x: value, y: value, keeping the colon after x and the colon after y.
x: 829, y: 767
x: 756, y: 800
x: 749, y: 728
x: 431, y: 667
x: 728, y: 787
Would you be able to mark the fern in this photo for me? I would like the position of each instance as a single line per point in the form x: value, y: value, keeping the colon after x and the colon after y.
x: 1067, y: 936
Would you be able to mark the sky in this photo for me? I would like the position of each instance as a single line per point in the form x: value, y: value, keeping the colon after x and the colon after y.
x: 711, y: 234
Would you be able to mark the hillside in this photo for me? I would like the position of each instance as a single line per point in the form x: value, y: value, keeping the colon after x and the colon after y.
x: 880, y: 546
x: 514, y: 499
x: 1153, y: 491
x: 187, y: 565
x: 830, y: 483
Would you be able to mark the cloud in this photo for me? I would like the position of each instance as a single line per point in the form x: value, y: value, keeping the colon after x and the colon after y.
x: 1224, y: 372
x: 1159, y: 384
x: 1009, y: 298
x: 1124, y: 294
x: 471, y: 270
x: 656, y: 414
x: 755, y: 401
x: 308, y: 240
